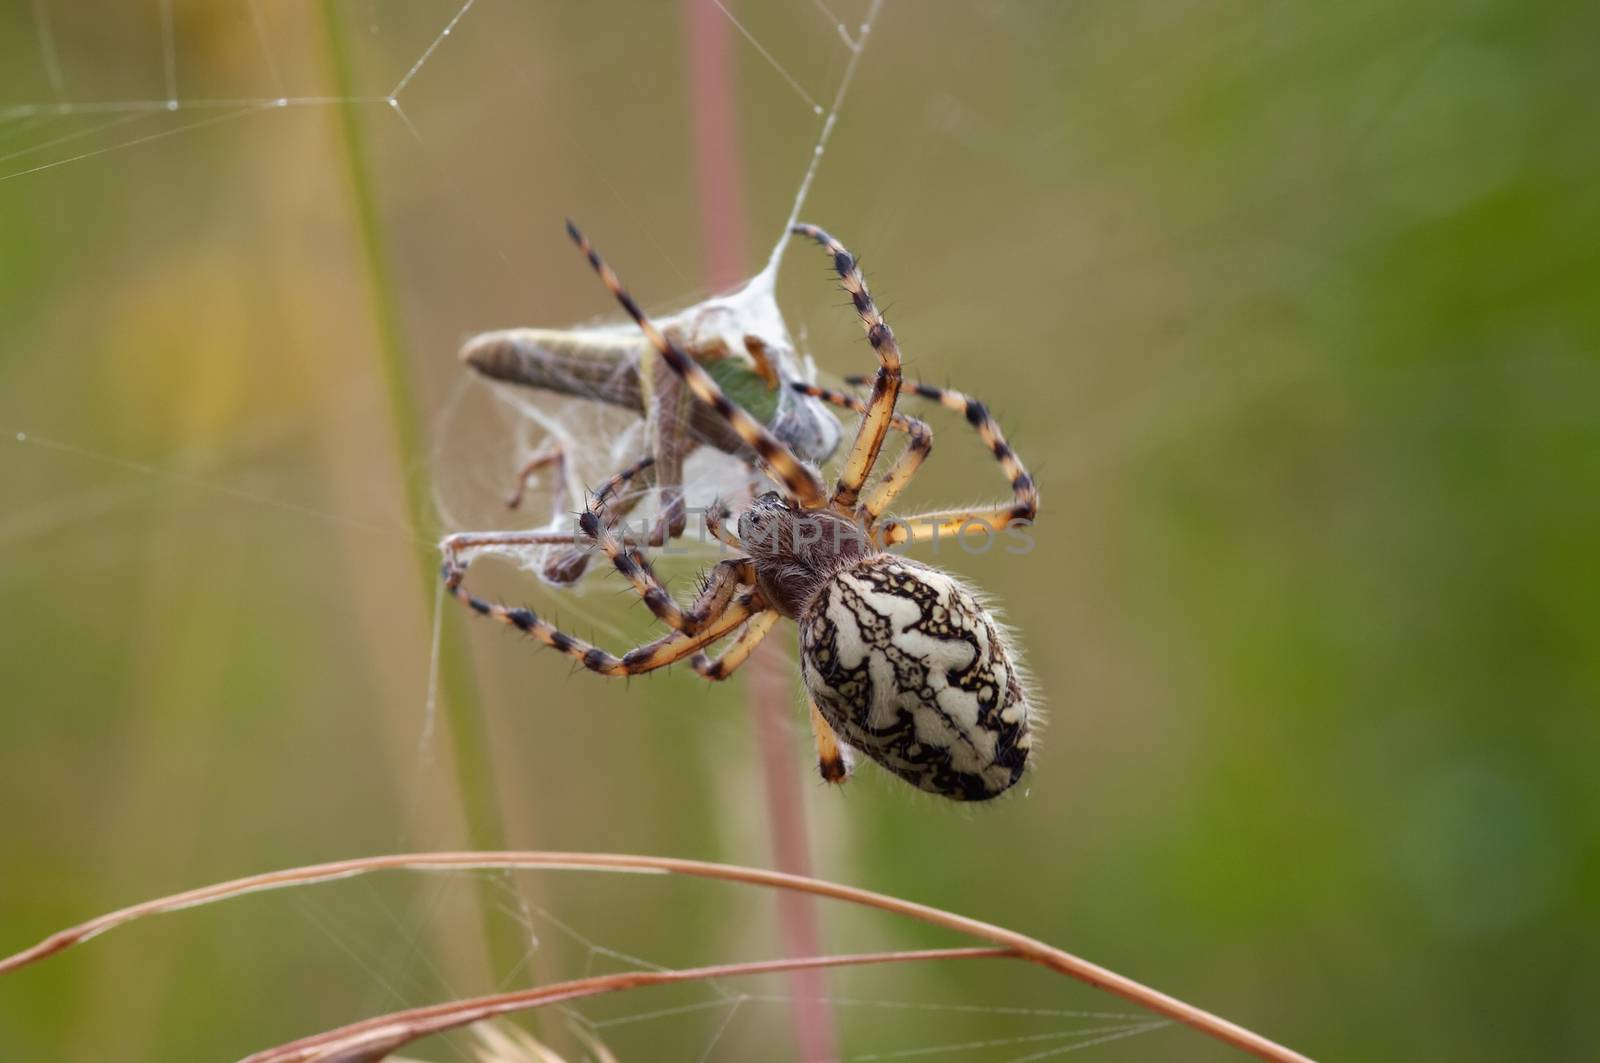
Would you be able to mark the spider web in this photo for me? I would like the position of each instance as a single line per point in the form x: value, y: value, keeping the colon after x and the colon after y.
x: 43, y: 134
x: 59, y: 118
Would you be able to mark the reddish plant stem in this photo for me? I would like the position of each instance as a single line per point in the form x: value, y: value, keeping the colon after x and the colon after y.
x: 716, y: 141
x: 722, y: 220
x: 770, y: 694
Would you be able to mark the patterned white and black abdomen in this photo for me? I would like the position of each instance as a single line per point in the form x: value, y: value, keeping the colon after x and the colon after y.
x: 909, y: 669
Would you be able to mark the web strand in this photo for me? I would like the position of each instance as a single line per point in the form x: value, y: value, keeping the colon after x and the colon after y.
x: 1107, y: 1039
x: 267, y: 54
x: 838, y: 24
x: 185, y: 480
x: 79, y: 135
x: 769, y: 274
x: 47, y: 48
x: 171, y: 102
x: 1096, y: 1032
x: 169, y: 53
x: 428, y: 52
x: 816, y: 108
x: 214, y: 120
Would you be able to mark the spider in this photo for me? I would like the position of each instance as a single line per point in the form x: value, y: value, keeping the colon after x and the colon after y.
x: 900, y: 660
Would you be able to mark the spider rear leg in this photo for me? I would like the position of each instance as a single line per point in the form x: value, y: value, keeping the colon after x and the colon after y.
x: 834, y: 761
x: 833, y: 757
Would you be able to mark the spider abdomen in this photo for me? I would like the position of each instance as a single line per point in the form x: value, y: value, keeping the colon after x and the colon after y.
x: 909, y: 668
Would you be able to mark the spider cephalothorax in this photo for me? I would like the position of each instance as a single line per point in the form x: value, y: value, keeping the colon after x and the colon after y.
x: 795, y: 551
x: 900, y: 660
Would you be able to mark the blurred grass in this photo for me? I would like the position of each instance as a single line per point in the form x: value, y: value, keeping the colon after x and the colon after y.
x: 1288, y: 308
x: 457, y: 696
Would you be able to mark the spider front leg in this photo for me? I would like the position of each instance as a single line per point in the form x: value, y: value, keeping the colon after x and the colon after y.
x: 725, y: 578
x: 670, y: 408
x: 567, y: 567
x: 667, y: 413
x: 724, y: 665
x: 1024, y: 505
x: 798, y: 480
x: 905, y: 466
x: 875, y: 422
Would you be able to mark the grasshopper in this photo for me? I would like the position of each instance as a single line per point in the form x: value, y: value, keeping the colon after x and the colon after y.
x: 739, y: 339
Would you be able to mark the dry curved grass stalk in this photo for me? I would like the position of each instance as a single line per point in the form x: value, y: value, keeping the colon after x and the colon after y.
x: 1010, y: 942
x: 374, y: 1038
x: 501, y: 1042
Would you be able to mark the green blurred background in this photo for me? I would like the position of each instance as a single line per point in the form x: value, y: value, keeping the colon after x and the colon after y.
x: 1290, y: 307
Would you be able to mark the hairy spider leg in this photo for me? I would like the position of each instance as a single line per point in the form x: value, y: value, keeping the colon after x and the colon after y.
x: 721, y: 667
x: 568, y: 566
x: 672, y: 647
x: 832, y: 763
x: 905, y: 466
x: 725, y: 578
x: 799, y: 482
x: 665, y: 402
x: 1024, y: 506
x: 885, y: 386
